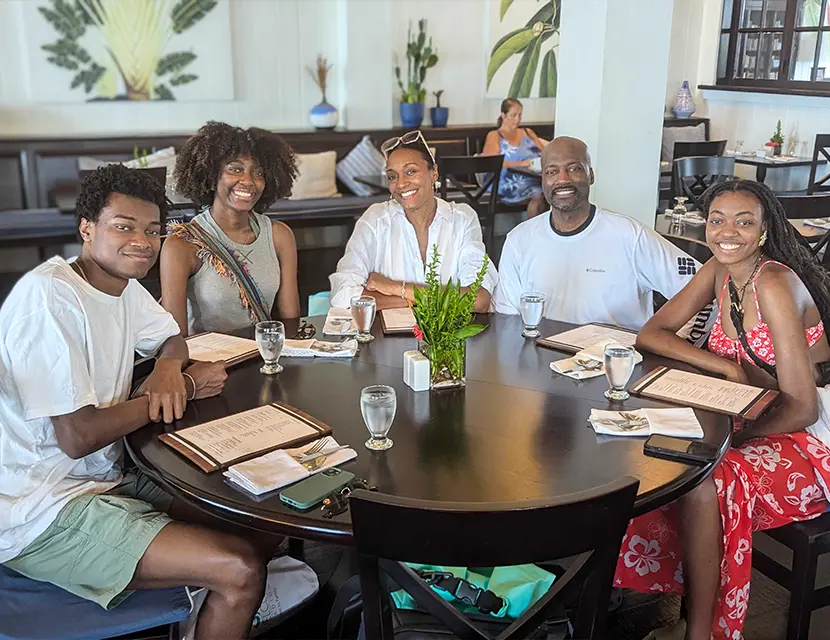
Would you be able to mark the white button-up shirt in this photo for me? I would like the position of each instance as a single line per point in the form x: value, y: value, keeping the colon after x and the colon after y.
x: 384, y: 242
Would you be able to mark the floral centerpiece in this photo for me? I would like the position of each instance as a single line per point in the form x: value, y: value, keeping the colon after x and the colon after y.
x: 443, y: 317
x: 776, y: 142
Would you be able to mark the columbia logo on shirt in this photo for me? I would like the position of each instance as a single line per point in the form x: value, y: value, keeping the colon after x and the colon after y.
x: 686, y: 267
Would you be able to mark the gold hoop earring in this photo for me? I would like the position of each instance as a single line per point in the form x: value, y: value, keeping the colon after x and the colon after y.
x: 763, y: 239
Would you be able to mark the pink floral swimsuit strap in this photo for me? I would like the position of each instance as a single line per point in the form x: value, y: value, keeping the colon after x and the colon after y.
x: 758, y: 337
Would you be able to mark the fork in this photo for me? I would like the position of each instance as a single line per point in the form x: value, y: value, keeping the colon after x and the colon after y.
x: 315, y: 448
x: 584, y: 364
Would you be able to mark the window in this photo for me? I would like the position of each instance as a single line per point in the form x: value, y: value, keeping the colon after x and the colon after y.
x: 775, y: 44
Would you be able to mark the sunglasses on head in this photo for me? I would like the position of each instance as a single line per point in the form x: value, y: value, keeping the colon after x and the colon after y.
x: 411, y: 137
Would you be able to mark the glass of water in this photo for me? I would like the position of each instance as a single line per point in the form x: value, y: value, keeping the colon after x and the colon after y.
x: 363, y: 315
x: 532, y: 306
x: 270, y: 338
x: 377, y: 404
x: 619, y: 364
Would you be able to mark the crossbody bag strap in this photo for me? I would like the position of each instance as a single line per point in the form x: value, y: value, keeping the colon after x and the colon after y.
x: 736, y: 313
x: 222, y: 260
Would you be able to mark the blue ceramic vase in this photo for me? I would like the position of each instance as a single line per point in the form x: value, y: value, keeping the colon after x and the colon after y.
x: 684, y: 106
x: 412, y: 114
x: 439, y: 116
x: 324, y: 115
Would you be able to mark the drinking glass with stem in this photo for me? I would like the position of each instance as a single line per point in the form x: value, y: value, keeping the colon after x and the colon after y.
x: 270, y: 339
x: 532, y: 306
x: 619, y: 365
x: 378, y: 403
x: 363, y: 315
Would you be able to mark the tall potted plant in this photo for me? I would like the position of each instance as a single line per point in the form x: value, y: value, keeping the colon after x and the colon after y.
x: 776, y: 142
x: 439, y: 115
x: 420, y: 56
x: 443, y: 317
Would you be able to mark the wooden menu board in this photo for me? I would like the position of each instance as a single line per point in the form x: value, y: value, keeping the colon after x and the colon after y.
x: 704, y: 392
x: 220, y: 443
x: 575, y: 340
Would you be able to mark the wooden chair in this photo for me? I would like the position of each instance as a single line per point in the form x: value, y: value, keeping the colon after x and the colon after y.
x: 452, y: 147
x: 699, y: 149
x: 813, y: 206
x: 692, y: 176
x: 821, y: 153
x: 589, y: 525
x: 455, y: 172
x: 807, y: 541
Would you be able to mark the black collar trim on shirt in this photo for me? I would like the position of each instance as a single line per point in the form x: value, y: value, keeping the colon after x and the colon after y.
x: 579, y: 229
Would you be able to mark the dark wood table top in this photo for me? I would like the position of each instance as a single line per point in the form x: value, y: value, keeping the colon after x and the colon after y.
x: 774, y: 161
x: 697, y: 232
x: 517, y: 432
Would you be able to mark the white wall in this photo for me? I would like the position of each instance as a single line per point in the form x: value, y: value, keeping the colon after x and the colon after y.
x: 750, y: 117
x: 273, y: 41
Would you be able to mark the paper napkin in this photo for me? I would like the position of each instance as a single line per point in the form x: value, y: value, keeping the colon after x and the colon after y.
x: 339, y: 323
x: 319, y: 348
x: 278, y: 468
x: 818, y: 223
x: 679, y: 422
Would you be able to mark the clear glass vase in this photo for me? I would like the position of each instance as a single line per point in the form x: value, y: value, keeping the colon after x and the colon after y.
x: 447, y: 364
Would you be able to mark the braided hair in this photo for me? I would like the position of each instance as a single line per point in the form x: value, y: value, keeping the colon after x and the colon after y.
x: 784, y: 244
x: 200, y: 162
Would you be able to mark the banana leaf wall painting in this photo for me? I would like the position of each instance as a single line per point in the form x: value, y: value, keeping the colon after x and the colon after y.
x: 136, y: 50
x: 524, y: 40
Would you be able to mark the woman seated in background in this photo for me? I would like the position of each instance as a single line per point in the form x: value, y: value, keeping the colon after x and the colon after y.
x: 228, y: 267
x: 390, y: 249
x: 773, y: 298
x: 519, y: 148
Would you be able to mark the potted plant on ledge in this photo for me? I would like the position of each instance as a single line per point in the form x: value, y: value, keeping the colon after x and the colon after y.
x: 439, y: 115
x: 420, y: 56
x: 776, y: 142
x: 443, y: 323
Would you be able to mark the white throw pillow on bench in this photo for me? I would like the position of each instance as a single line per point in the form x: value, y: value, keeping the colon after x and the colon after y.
x: 680, y: 134
x: 363, y: 160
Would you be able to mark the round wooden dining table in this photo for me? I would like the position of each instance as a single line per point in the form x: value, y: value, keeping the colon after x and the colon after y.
x: 516, y: 432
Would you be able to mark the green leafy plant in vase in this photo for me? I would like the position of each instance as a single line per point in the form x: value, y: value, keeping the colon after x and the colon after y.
x: 444, y: 322
x: 776, y: 142
x: 420, y: 56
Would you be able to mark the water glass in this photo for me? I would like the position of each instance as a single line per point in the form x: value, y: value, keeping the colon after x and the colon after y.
x: 377, y: 405
x: 363, y: 315
x: 532, y: 306
x: 619, y: 365
x: 270, y: 339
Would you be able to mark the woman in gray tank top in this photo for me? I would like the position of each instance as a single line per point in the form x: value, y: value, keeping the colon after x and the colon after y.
x: 231, y: 266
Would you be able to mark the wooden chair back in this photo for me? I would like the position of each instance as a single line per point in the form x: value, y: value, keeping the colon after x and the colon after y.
x: 590, y: 525
x: 699, y: 149
x: 821, y: 155
x: 458, y: 173
x: 692, y: 176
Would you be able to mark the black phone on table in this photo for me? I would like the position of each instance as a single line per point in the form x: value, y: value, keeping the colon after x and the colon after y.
x: 681, y: 450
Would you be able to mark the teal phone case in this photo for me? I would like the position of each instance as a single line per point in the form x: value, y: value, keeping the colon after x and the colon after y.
x: 306, y: 493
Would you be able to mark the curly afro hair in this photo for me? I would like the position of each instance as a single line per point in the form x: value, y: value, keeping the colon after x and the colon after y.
x: 98, y: 185
x: 200, y: 162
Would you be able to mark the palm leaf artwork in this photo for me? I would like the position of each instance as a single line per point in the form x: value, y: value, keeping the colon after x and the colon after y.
x: 135, y: 34
x: 528, y: 42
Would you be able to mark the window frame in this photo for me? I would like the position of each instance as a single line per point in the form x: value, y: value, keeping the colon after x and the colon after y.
x: 782, y: 84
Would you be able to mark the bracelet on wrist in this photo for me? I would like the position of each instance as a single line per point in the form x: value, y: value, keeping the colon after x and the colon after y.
x: 193, y: 382
x: 403, y: 289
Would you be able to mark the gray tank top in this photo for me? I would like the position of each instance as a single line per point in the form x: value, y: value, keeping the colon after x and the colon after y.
x: 213, y: 300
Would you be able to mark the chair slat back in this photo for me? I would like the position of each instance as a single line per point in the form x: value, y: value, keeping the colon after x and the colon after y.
x: 800, y: 207
x: 390, y: 530
x: 692, y: 176
x: 699, y: 148
x: 821, y: 155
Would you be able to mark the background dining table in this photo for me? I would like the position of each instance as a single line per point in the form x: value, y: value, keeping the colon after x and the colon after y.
x: 516, y: 432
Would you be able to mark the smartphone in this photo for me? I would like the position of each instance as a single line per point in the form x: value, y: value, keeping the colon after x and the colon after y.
x: 306, y: 493
x: 681, y: 450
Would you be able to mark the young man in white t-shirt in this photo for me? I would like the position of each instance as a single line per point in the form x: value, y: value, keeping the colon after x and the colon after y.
x: 592, y: 265
x: 69, y: 333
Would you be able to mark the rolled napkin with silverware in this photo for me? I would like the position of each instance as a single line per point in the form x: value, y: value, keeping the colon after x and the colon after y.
x: 678, y: 422
x: 282, y: 467
x: 588, y: 363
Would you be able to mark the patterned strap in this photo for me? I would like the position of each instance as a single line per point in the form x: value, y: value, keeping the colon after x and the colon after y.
x: 736, y: 313
x: 223, y: 262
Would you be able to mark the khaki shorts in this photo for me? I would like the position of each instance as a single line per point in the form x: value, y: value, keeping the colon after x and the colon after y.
x: 94, y: 545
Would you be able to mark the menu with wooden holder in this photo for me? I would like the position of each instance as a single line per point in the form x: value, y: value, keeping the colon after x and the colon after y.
x: 397, y: 321
x: 220, y: 443
x: 704, y: 392
x: 212, y: 346
x: 575, y: 340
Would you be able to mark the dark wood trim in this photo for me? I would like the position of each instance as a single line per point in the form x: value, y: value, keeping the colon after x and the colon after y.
x: 766, y: 89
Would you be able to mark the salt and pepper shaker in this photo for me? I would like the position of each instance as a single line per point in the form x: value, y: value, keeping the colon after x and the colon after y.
x: 416, y: 370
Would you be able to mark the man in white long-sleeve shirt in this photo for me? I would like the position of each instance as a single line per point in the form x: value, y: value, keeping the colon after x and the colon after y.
x: 591, y: 264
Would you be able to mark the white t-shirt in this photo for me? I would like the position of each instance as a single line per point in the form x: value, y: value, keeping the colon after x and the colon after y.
x: 606, y: 272
x: 65, y: 345
x: 384, y: 242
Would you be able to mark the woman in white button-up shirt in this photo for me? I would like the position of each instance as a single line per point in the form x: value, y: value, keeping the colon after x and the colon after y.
x: 388, y: 253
